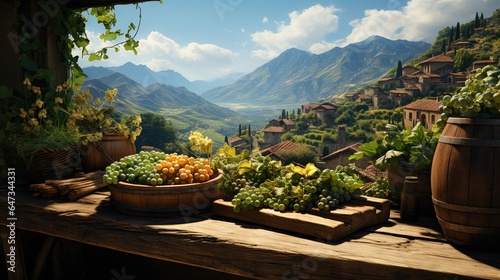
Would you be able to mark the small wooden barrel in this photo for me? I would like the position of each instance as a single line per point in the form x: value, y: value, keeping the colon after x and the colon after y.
x: 165, y: 200
x: 112, y: 147
x: 465, y: 182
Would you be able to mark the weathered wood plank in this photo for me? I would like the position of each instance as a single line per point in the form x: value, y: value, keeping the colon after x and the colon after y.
x: 249, y: 250
x: 330, y: 226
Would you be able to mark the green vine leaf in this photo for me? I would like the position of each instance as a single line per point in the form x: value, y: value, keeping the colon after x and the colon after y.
x: 28, y: 63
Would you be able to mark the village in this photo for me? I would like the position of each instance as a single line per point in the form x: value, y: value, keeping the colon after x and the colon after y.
x: 415, y: 91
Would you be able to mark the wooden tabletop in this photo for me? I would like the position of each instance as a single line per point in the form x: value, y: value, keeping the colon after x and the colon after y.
x: 393, y: 250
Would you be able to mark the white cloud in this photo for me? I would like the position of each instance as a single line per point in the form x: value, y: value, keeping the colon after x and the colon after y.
x: 194, y: 60
x: 419, y: 20
x: 265, y: 20
x: 304, y: 30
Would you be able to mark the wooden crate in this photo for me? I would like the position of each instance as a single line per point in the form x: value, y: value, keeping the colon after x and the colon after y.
x: 360, y: 212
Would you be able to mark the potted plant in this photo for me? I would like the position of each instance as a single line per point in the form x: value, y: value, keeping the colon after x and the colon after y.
x: 40, y: 135
x: 104, y: 139
x: 404, y: 152
x: 464, y: 175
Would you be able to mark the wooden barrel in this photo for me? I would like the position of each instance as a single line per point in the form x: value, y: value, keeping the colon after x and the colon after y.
x: 112, y: 147
x: 465, y: 182
x: 165, y: 200
x: 396, y: 178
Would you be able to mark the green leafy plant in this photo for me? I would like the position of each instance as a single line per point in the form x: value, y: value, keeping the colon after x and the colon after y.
x: 414, y: 145
x: 40, y: 121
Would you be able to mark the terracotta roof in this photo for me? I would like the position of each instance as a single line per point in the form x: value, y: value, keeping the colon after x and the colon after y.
x: 442, y: 58
x: 386, y: 79
x: 325, y: 105
x: 399, y: 91
x: 430, y: 105
x: 353, y: 147
x: 371, y: 172
x: 412, y: 87
x: 487, y: 61
x: 285, y: 121
x: 282, y: 147
x: 274, y: 129
x: 235, y: 139
x: 364, y: 96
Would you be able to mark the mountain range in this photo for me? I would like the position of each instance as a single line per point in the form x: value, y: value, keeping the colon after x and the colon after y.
x: 294, y: 77
x: 186, y: 110
x: 298, y: 77
x: 146, y: 77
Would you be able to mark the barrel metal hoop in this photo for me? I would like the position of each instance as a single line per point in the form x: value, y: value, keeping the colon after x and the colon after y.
x: 463, y: 208
x: 469, y: 141
x: 468, y: 229
x: 454, y: 120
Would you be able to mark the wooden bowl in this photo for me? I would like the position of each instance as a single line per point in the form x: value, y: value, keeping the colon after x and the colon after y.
x: 165, y: 200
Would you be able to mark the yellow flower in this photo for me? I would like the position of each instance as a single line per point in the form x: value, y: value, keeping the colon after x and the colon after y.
x: 59, y: 88
x: 33, y: 122
x: 59, y: 100
x: 39, y: 103
x: 137, y: 121
x: 110, y: 94
x: 42, y: 114
x: 27, y: 82
x: 37, y: 90
x: 24, y: 114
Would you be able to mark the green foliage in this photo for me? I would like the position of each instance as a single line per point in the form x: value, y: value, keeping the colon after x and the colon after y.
x: 414, y: 145
x: 463, y: 60
x: 303, y: 155
x: 156, y: 132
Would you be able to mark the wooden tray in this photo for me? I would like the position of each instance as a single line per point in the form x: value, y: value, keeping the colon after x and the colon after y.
x: 360, y: 212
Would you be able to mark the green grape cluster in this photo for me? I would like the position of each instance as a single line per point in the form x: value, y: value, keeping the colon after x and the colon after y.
x: 479, y: 98
x: 380, y: 188
x: 136, y: 168
x: 292, y: 192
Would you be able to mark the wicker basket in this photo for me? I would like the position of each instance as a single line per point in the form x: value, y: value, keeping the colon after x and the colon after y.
x: 53, y: 164
x: 165, y: 200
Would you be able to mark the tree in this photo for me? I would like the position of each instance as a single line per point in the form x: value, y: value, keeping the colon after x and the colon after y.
x: 463, y: 60
x: 156, y: 132
x: 239, y: 130
x: 457, y: 31
x: 399, y: 70
x: 477, y: 23
x: 450, y: 38
x: 226, y: 140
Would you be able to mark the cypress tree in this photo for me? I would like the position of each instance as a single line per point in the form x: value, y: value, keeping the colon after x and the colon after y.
x: 226, y: 140
x: 477, y: 23
x: 450, y: 38
x: 482, y: 21
x: 457, y: 31
x: 239, y: 130
x: 399, y: 70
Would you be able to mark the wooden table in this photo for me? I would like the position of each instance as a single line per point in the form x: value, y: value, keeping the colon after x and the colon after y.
x: 393, y: 250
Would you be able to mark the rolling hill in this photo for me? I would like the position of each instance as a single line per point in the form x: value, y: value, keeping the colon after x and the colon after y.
x: 186, y: 110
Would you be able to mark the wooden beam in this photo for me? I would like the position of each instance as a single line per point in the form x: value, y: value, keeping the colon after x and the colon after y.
x: 85, y: 4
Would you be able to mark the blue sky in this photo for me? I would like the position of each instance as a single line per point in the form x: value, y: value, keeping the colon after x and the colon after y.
x: 207, y: 39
